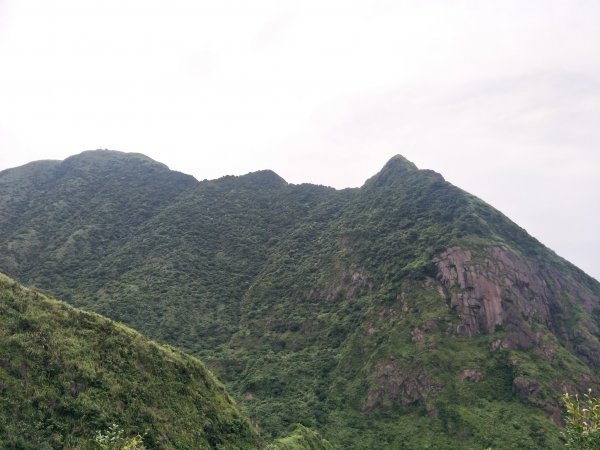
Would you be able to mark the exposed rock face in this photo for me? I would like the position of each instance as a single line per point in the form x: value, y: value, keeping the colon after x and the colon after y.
x: 503, y: 290
x: 350, y: 285
x: 483, y: 292
x: 526, y: 388
x: 471, y: 375
x: 399, y: 382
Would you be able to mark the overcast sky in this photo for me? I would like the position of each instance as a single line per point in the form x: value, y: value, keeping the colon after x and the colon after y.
x: 502, y: 97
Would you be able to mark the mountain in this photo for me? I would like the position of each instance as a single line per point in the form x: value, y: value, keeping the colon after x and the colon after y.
x: 403, y: 314
x: 66, y: 375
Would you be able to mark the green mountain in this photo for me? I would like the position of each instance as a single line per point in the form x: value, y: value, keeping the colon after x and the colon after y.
x: 402, y: 314
x: 66, y: 375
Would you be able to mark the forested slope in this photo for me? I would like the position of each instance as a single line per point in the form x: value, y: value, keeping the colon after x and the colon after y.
x: 406, y: 313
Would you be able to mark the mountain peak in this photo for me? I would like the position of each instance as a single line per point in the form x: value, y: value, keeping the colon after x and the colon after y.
x: 369, y: 312
x: 397, y: 168
x: 399, y: 163
x: 101, y: 157
x: 265, y: 178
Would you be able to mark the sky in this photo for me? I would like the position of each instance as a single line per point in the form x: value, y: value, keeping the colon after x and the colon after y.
x: 501, y: 97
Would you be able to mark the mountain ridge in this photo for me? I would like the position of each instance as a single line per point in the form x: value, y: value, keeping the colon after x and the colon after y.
x: 367, y: 313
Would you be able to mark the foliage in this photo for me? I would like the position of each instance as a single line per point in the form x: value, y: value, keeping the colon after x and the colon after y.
x: 301, y: 438
x: 303, y: 299
x: 113, y: 439
x: 65, y: 373
x: 582, y: 423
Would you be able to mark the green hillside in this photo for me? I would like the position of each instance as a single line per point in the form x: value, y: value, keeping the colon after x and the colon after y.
x: 403, y: 314
x: 66, y: 375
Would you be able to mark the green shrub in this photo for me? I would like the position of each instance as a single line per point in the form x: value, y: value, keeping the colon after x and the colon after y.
x: 113, y: 439
x: 582, y: 430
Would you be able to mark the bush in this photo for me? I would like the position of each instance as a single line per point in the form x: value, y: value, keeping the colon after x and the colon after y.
x: 582, y: 429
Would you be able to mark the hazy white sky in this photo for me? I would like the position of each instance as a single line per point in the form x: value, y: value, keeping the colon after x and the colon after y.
x: 501, y: 97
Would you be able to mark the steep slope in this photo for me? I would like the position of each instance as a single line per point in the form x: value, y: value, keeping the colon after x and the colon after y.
x: 104, y: 229
x: 194, y: 261
x: 406, y: 313
x: 59, y: 219
x: 66, y: 374
x: 418, y: 316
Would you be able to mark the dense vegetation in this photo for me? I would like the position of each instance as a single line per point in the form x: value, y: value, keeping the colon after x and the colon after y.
x: 582, y: 429
x: 300, y: 439
x: 320, y: 307
x: 67, y: 375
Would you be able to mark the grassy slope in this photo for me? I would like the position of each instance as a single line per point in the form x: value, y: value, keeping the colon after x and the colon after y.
x: 66, y: 374
x: 291, y: 293
x: 301, y: 438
